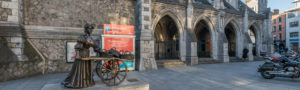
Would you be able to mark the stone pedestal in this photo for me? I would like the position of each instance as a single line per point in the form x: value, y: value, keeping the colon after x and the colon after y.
x: 146, y: 59
x: 192, y: 59
x: 250, y: 54
x: 225, y: 56
x: 126, y: 85
x: 145, y: 42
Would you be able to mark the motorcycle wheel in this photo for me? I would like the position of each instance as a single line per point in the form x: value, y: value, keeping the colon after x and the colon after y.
x: 266, y: 75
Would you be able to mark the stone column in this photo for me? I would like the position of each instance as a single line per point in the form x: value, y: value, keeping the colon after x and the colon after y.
x: 269, y: 29
x: 250, y: 54
x: 222, y: 40
x: 259, y: 41
x: 12, y: 8
x: 11, y: 26
x: 268, y: 40
x: 191, y: 42
x: 246, y: 37
x: 16, y: 44
x: 215, y: 30
x: 145, y: 41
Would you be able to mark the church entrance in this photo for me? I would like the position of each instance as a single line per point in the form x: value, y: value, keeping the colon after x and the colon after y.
x: 166, y: 39
x: 252, y: 35
x: 231, y: 37
x: 203, y: 39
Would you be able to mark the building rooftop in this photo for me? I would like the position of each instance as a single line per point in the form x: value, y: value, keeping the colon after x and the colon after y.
x: 292, y: 10
x: 204, y: 4
x: 296, y: 1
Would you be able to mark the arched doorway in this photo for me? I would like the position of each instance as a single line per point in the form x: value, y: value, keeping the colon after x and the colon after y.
x: 252, y: 34
x: 166, y: 39
x: 231, y: 37
x: 203, y: 39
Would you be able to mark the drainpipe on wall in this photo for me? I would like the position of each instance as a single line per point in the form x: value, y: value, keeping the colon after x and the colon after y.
x: 44, y: 60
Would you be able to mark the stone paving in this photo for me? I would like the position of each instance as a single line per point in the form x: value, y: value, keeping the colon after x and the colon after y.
x: 224, y: 76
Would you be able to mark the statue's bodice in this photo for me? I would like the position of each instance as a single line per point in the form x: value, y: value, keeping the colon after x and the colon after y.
x: 85, y: 42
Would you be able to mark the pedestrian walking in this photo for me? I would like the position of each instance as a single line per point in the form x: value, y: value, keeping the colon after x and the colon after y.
x: 245, y: 54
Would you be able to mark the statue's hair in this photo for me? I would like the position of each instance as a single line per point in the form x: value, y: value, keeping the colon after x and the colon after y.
x: 89, y: 26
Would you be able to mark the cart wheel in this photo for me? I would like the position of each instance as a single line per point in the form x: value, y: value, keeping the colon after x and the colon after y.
x: 98, y: 69
x: 113, y: 72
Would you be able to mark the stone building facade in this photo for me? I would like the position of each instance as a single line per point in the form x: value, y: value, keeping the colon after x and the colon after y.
x: 186, y: 30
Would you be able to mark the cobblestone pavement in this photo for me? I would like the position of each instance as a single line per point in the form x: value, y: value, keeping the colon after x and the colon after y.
x: 224, y: 76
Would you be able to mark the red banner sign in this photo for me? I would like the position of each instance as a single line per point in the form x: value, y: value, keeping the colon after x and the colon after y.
x: 111, y: 29
x: 120, y: 37
x: 125, y: 44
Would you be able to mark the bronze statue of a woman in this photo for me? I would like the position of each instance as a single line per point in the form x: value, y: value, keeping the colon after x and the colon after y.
x: 81, y: 75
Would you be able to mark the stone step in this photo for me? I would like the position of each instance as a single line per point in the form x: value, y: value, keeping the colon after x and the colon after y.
x: 208, y: 61
x: 205, y: 59
x: 256, y: 58
x: 162, y: 64
x: 171, y: 66
x: 170, y: 63
x: 235, y: 59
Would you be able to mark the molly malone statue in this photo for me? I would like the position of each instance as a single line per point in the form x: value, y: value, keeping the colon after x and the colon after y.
x: 81, y: 75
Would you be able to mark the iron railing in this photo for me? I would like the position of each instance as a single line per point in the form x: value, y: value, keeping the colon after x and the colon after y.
x: 166, y: 50
x: 202, y: 49
x: 231, y: 49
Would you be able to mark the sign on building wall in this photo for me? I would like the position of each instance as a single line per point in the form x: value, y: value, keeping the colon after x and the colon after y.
x: 120, y: 43
x: 111, y: 29
x: 121, y: 37
x: 71, y: 53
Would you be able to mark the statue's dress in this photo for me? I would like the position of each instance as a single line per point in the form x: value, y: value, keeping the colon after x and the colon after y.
x: 81, y: 75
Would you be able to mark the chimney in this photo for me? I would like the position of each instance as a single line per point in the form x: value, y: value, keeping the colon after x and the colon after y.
x: 275, y: 11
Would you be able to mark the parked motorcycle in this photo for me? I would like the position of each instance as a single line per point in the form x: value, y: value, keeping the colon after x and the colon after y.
x: 280, y: 67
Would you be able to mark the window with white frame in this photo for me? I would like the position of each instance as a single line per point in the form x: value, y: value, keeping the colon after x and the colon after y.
x: 291, y: 15
x: 294, y: 24
x: 294, y: 34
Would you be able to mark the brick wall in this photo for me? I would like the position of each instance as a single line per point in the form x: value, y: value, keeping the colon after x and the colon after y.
x: 282, y: 23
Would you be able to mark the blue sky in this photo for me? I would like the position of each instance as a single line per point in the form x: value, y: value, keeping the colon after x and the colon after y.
x: 282, y: 5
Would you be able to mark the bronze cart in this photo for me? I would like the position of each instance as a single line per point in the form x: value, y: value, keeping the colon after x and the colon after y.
x: 112, y: 71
